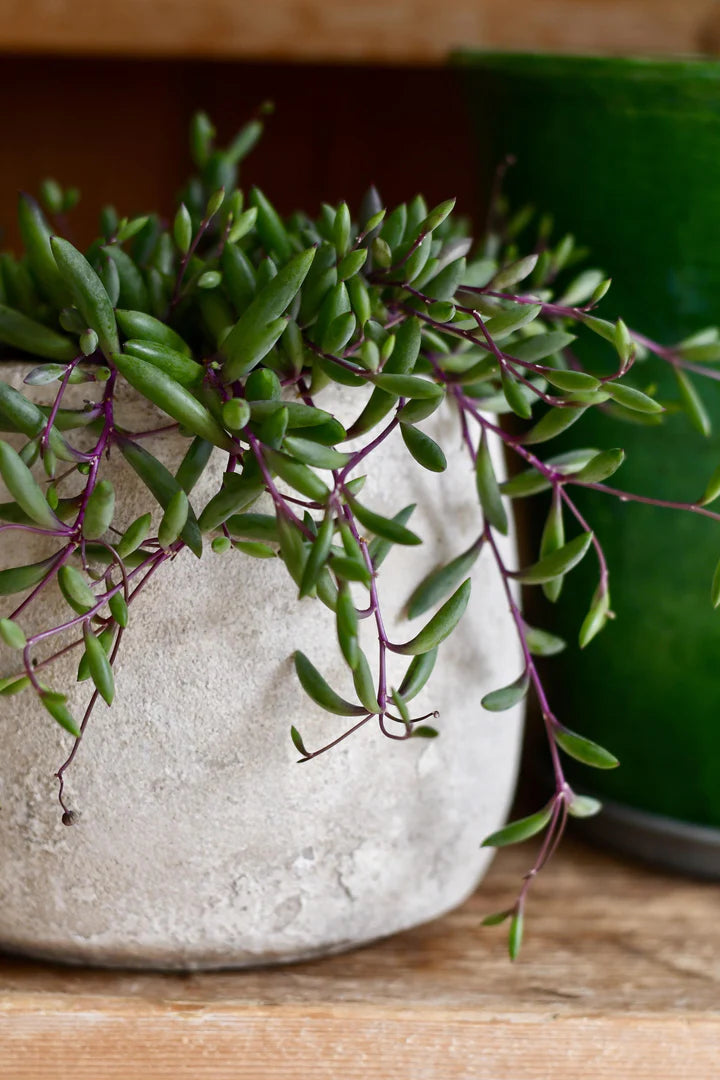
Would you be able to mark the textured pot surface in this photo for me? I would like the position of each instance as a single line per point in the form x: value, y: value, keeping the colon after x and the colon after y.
x: 626, y: 154
x: 201, y: 842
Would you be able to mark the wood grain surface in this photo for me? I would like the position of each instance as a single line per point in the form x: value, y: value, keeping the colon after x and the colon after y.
x: 619, y: 980
x: 404, y: 31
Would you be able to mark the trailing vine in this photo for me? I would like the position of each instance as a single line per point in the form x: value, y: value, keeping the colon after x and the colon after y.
x: 231, y: 321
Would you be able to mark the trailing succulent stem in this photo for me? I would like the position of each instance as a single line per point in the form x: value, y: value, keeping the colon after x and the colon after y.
x: 231, y: 320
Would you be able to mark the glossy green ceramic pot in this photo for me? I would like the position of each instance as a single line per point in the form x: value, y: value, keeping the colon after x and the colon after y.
x: 626, y: 155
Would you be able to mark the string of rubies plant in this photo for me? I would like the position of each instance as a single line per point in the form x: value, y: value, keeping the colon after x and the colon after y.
x: 231, y: 320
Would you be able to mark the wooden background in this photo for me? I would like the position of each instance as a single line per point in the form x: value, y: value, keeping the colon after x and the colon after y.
x: 398, y: 31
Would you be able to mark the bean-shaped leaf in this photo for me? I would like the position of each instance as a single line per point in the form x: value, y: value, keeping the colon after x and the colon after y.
x: 409, y: 386
x: 441, y: 582
x: 254, y: 526
x: 298, y: 476
x: 387, y: 528
x: 99, y: 511
x: 174, y: 363
x: 488, y: 489
x: 17, y: 579
x: 238, y: 491
x: 193, y: 464
x: 417, y: 674
x: 318, y: 690
x: 583, y: 749
x: 106, y: 638
x: 692, y: 403
x: 311, y: 453
x: 100, y: 670
x: 88, y: 293
x: 174, y: 519
x: 559, y: 562
x: 140, y: 325
x: 319, y: 552
x: 364, y: 685
x: 515, y: 934
x: 542, y: 642
x: 21, y: 332
x: 172, y: 398
x: 600, y: 467
x: 162, y: 484
x: 298, y: 743
x: 350, y: 569
x: 507, y: 696
x: 56, y: 705
x: 133, y: 536
x: 36, y: 234
x: 346, y: 621
x: 24, y: 488
x: 552, y: 539
x: 240, y: 346
x: 552, y: 424
x: 119, y: 609
x: 441, y: 625
x: 596, y: 617
x: 522, y: 829
x: 12, y: 634
x: 570, y: 380
x: 632, y: 398
x: 424, y: 449
x: 76, y: 590
x: 516, y: 395
x: 583, y: 806
x: 379, y: 548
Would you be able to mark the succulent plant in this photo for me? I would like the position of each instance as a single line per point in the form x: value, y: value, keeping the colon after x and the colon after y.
x: 232, y: 320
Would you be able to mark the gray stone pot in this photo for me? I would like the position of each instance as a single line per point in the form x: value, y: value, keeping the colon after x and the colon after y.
x: 201, y: 843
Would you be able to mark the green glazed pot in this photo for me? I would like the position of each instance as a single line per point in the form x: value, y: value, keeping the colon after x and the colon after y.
x: 626, y: 154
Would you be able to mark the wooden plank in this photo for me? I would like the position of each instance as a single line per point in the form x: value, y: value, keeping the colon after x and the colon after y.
x: 405, y: 31
x: 620, y: 977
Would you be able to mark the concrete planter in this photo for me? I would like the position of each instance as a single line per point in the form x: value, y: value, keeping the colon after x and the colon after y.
x: 201, y: 843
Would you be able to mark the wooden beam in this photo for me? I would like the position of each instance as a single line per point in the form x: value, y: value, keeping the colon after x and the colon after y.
x: 401, y: 31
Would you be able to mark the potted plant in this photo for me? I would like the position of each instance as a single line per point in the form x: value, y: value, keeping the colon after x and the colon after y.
x: 299, y: 401
x: 644, y: 139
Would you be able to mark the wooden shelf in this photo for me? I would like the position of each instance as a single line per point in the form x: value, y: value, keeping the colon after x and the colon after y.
x: 404, y: 31
x: 619, y: 978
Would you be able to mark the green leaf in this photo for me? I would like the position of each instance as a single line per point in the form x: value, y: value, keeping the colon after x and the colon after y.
x: 379, y: 548
x: 496, y: 918
x: 552, y: 424
x: 712, y: 490
x: 99, y: 511
x: 585, y: 750
x: 17, y: 579
x: 55, y: 704
x: 600, y: 467
x: 163, y: 486
x: 298, y: 476
x: 23, y: 487
x: 583, y: 806
x: 514, y: 273
x: 20, y: 332
x: 409, y: 386
x: 540, y: 346
x: 99, y: 665
x: 36, y: 234
x: 570, y: 380
x: 88, y: 293
x: 441, y: 625
x: 417, y: 674
x: 441, y: 582
x: 559, y: 562
x: 596, y: 617
x: 552, y: 539
x: 425, y: 731
x: 134, y: 536
x: 488, y: 490
x: 692, y: 403
x: 364, y: 685
x: 350, y: 569
x: 542, y: 642
x: 318, y: 690
x: 347, y: 626
x: 515, y: 395
x: 522, y: 829
x: 270, y: 228
x: 253, y: 526
x: 76, y: 590
x: 182, y: 229
x: 515, y: 935
x: 238, y: 491
x: 193, y: 464
x: 141, y: 326
x: 632, y: 399
x: 119, y: 609
x: 174, y: 519
x: 175, y: 364
x: 319, y: 552
x: 298, y: 743
x: 508, y: 696
x: 386, y: 528
x: 12, y: 634
x: 423, y: 449
x: 245, y: 343
x: 310, y: 453
x: 172, y: 398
